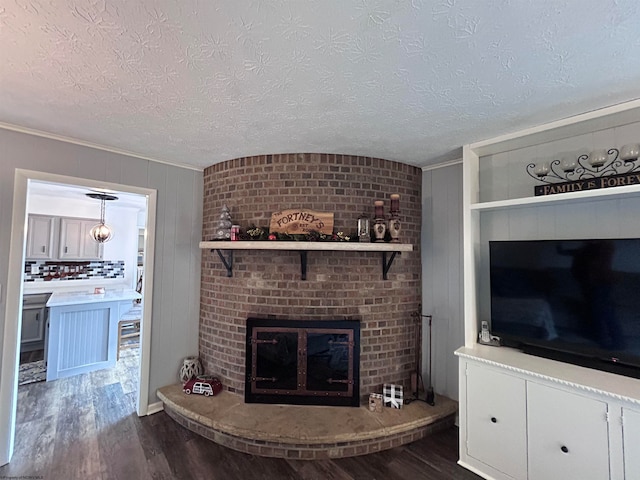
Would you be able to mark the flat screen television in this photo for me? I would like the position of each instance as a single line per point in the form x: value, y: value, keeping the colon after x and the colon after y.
x: 576, y: 301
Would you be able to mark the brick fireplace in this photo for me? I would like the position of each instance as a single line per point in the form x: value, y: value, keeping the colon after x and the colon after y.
x: 339, y: 285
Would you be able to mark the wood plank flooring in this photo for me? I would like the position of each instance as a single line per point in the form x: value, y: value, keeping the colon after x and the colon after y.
x: 85, y: 427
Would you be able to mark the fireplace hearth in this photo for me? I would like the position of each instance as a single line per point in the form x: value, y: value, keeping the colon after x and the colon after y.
x: 303, y: 362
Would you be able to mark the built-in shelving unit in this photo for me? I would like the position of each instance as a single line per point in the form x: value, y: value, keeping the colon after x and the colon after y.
x: 475, y: 166
x: 225, y: 250
x: 499, y: 203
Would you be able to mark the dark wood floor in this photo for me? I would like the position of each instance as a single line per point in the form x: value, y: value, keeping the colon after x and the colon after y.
x: 85, y: 427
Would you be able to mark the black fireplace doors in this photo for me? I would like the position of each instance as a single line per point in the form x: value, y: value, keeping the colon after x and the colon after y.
x: 303, y: 362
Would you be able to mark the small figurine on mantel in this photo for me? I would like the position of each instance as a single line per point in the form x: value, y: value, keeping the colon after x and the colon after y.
x: 223, y: 227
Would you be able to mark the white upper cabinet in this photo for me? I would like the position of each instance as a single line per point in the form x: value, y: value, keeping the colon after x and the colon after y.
x: 75, y: 241
x: 54, y: 238
x: 40, y: 237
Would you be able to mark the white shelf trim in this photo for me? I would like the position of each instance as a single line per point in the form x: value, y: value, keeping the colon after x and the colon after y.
x: 613, y: 192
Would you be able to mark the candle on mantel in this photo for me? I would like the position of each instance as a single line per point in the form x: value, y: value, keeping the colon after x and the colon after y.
x: 379, y: 206
x: 395, y: 203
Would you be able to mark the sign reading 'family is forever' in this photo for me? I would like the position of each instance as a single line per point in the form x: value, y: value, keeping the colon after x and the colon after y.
x: 589, y: 184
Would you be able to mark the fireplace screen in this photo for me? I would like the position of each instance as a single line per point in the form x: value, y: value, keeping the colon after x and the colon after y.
x: 302, y: 362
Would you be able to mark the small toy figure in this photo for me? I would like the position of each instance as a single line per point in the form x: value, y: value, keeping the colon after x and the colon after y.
x: 206, y: 385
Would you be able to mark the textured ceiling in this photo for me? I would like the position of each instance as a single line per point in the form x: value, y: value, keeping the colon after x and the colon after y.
x: 199, y: 82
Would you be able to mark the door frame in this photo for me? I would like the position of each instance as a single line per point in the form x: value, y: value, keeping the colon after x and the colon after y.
x: 13, y: 310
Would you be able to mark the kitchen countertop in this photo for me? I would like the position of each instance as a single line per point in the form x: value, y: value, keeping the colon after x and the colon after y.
x: 59, y: 299
x: 72, y: 286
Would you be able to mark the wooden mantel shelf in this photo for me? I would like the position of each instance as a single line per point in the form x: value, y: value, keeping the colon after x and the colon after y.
x: 303, y: 248
x: 293, y: 245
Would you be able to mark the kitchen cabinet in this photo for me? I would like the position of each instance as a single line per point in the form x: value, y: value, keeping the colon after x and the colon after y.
x: 40, y: 237
x: 75, y: 240
x: 83, y: 331
x: 62, y: 238
x: 34, y: 321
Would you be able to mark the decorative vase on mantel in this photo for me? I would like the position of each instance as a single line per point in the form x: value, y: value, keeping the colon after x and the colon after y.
x: 394, y: 219
x: 394, y: 228
x: 191, y: 367
x: 379, y: 224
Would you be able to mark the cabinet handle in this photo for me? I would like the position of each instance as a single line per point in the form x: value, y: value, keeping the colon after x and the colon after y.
x: 564, y: 449
x: 66, y: 249
x: 37, y: 317
x: 43, y: 248
x: 494, y: 420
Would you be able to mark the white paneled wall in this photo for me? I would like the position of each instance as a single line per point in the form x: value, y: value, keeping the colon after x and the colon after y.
x: 176, y: 294
x: 503, y: 175
x: 442, y: 274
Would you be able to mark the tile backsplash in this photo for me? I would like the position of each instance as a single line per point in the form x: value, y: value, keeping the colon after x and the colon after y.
x: 42, y: 271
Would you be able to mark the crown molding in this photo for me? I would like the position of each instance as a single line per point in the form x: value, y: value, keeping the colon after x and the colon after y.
x: 442, y: 165
x: 96, y: 146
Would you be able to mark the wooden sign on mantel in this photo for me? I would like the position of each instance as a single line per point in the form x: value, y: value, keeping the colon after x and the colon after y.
x: 299, y: 221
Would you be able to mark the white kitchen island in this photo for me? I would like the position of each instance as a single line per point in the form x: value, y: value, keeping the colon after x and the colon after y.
x: 83, y: 330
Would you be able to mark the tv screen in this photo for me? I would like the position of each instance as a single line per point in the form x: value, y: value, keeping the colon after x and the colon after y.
x: 572, y: 300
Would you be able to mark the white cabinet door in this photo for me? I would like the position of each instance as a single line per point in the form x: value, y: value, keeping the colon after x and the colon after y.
x: 631, y: 443
x: 40, y: 231
x: 70, y: 235
x: 75, y: 242
x: 33, y: 322
x: 90, y: 249
x: 568, y: 435
x: 496, y: 420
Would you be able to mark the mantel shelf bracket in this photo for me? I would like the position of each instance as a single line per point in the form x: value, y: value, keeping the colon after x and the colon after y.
x: 387, y: 265
x: 303, y: 264
x: 227, y: 262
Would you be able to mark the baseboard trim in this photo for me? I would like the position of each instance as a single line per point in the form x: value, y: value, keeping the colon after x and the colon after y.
x: 155, y: 408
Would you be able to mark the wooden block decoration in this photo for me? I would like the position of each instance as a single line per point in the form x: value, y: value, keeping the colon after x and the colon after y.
x: 375, y: 402
x: 392, y: 395
x: 301, y: 222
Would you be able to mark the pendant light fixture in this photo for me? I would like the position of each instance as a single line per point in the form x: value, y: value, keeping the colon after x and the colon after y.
x: 101, y: 232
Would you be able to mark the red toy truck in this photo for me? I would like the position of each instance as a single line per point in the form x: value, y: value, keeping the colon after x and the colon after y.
x: 204, y: 385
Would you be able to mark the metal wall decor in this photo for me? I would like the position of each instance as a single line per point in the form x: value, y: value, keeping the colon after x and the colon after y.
x: 598, y: 169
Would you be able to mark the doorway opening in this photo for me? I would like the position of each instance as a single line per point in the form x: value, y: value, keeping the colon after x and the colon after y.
x: 63, y: 258
x: 23, y: 205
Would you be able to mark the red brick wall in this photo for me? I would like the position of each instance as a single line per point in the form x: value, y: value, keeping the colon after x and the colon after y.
x: 339, y: 285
